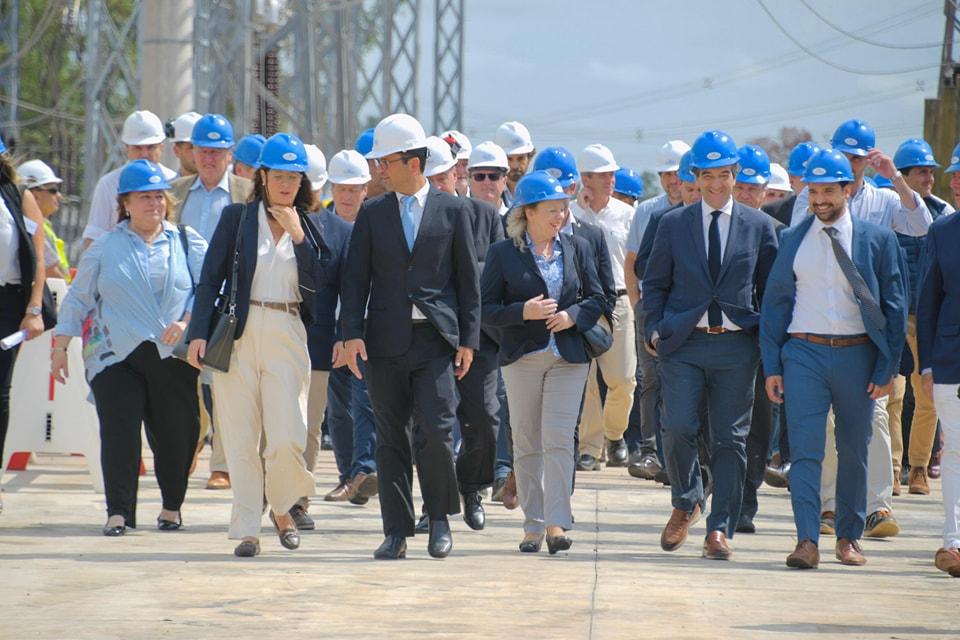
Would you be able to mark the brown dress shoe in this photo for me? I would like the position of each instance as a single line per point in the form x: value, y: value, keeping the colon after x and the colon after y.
x: 675, y: 532
x: 341, y: 493
x: 918, y: 481
x: 364, y: 485
x: 948, y: 560
x: 805, y: 556
x: 219, y: 480
x: 849, y: 553
x: 716, y: 547
x: 509, y: 496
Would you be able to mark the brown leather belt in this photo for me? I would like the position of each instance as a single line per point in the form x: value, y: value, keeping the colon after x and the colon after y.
x: 712, y: 330
x: 833, y: 341
x: 293, y: 308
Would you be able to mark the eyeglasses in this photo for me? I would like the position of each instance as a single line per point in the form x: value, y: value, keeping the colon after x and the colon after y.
x: 492, y: 177
x: 51, y: 190
x: 383, y: 162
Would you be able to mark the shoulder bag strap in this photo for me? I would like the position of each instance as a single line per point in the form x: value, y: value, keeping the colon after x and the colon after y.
x: 186, y: 253
x: 232, y: 299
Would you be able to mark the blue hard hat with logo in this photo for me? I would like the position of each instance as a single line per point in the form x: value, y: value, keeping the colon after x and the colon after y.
x: 685, y: 171
x: 142, y: 175
x: 558, y: 162
x: 855, y: 137
x: 914, y: 153
x: 881, y: 182
x: 954, y: 161
x: 284, y: 152
x: 248, y: 149
x: 538, y: 186
x: 714, y: 149
x: 213, y: 131
x: 828, y: 165
x: 364, y: 143
x: 628, y: 182
x: 754, y: 165
x: 797, y: 162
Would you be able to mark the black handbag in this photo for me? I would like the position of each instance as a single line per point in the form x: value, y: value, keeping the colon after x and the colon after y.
x: 224, y: 326
x: 596, y: 340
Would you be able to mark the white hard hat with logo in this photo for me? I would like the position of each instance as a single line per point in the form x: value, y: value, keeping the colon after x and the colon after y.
x: 36, y: 173
x: 183, y: 126
x: 349, y: 167
x: 514, y: 138
x: 488, y: 154
x: 397, y: 133
x: 462, y: 141
x: 668, y: 158
x: 779, y: 178
x: 142, y: 127
x: 439, y: 157
x: 596, y: 158
x: 316, y: 166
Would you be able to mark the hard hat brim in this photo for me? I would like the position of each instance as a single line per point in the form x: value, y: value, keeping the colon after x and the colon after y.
x: 285, y: 166
x: 350, y: 180
x: 487, y: 165
x: 213, y: 144
x: 443, y: 168
x: 854, y: 151
x: 522, y: 149
x: 604, y: 168
x: 136, y: 142
x: 663, y: 168
x: 715, y: 164
x: 757, y: 179
x: 163, y: 185
x: 825, y: 179
x: 952, y: 168
x: 552, y: 196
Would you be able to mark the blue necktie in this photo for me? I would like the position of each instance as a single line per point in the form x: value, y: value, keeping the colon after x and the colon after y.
x: 860, y: 289
x: 714, y: 315
x: 406, y: 218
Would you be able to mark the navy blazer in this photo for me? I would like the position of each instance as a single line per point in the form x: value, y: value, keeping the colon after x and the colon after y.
x: 440, y: 275
x: 511, y: 277
x: 321, y: 335
x: 218, y: 264
x: 877, y: 256
x: 677, y: 287
x: 938, y: 312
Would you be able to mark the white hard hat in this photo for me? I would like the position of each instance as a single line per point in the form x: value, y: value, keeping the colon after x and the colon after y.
x: 349, y: 167
x: 183, y: 126
x: 462, y: 140
x: 668, y: 159
x: 514, y: 138
x: 316, y: 166
x: 488, y: 154
x: 396, y: 133
x: 596, y: 158
x: 779, y: 179
x: 439, y: 157
x: 34, y: 173
x: 142, y: 127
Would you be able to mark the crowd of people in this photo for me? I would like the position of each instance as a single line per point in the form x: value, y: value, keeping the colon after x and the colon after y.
x: 498, y: 318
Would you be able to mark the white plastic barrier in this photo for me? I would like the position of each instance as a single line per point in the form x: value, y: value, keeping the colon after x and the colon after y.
x: 49, y: 417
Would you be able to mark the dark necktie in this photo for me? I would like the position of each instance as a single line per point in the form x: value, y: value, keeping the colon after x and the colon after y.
x: 714, y: 316
x: 860, y: 289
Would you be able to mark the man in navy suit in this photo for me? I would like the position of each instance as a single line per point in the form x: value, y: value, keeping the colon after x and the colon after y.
x: 832, y: 329
x: 412, y: 262
x: 701, y: 287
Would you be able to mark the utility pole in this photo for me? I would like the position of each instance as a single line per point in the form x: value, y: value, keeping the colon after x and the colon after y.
x: 941, y: 118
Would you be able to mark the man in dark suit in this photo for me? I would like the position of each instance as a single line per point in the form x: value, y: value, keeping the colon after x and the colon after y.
x: 708, y: 265
x: 412, y: 260
x: 832, y: 331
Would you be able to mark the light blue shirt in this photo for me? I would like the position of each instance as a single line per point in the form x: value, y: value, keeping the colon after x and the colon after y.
x: 202, y: 208
x: 116, y: 286
x: 642, y: 217
x: 552, y: 271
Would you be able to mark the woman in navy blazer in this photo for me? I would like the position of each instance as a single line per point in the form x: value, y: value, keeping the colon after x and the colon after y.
x: 282, y: 267
x: 540, y: 291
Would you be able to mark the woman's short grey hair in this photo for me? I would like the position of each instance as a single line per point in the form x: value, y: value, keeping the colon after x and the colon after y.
x: 517, y: 227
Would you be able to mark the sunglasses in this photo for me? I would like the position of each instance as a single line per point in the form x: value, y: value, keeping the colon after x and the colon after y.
x: 492, y: 177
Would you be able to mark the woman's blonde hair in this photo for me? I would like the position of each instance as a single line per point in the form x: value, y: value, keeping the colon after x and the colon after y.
x: 517, y: 226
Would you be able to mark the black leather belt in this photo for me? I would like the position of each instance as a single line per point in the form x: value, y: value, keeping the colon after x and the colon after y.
x: 621, y: 292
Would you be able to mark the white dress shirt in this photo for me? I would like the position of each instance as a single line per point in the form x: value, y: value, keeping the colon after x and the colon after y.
x: 103, y: 205
x: 275, y: 278
x: 416, y: 210
x: 614, y: 221
x: 9, y: 247
x: 723, y: 222
x: 825, y: 303
x: 879, y: 206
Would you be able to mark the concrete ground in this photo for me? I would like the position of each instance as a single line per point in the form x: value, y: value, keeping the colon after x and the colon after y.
x: 60, y: 578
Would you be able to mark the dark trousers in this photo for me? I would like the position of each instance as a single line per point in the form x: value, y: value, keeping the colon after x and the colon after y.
x: 648, y: 390
x: 479, y: 416
x: 11, y: 315
x: 723, y: 369
x: 162, y: 394
x: 420, y: 385
x: 758, y: 445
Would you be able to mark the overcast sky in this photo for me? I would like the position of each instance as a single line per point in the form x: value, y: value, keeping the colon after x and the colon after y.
x: 632, y: 74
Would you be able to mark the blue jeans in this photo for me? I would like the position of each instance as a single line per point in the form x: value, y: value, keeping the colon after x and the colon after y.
x: 504, y: 437
x: 350, y: 420
x: 722, y: 368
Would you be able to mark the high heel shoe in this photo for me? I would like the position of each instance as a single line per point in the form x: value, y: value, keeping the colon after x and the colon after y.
x: 115, y: 530
x: 531, y: 545
x: 289, y: 538
x: 558, y: 543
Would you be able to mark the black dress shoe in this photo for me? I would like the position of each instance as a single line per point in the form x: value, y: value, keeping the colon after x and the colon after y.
x: 558, y: 543
x: 588, y: 463
x: 247, y: 549
x: 392, y: 548
x: 745, y: 525
x: 289, y: 538
x: 169, y: 525
x: 441, y: 542
x: 423, y: 524
x: 617, y: 453
x: 473, y: 513
x: 301, y: 519
x: 662, y: 477
x: 113, y: 532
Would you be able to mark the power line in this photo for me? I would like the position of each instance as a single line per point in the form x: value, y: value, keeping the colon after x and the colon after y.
x: 813, y: 54
x: 885, y: 45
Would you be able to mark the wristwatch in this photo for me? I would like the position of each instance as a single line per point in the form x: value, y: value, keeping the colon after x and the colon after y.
x: 34, y: 311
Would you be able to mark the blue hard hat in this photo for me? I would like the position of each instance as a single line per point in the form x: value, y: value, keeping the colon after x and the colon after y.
x: 212, y: 130
x: 142, y: 175
x: 364, y: 143
x: 628, y: 182
x: 714, y: 149
x: 754, y: 165
x: 685, y: 171
x: 248, y: 149
x: 882, y: 183
x: 283, y: 152
x: 914, y: 153
x: 954, y: 161
x: 558, y: 162
x: 3, y: 147
x: 828, y: 165
x: 855, y: 137
x: 797, y: 163
x: 538, y: 186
